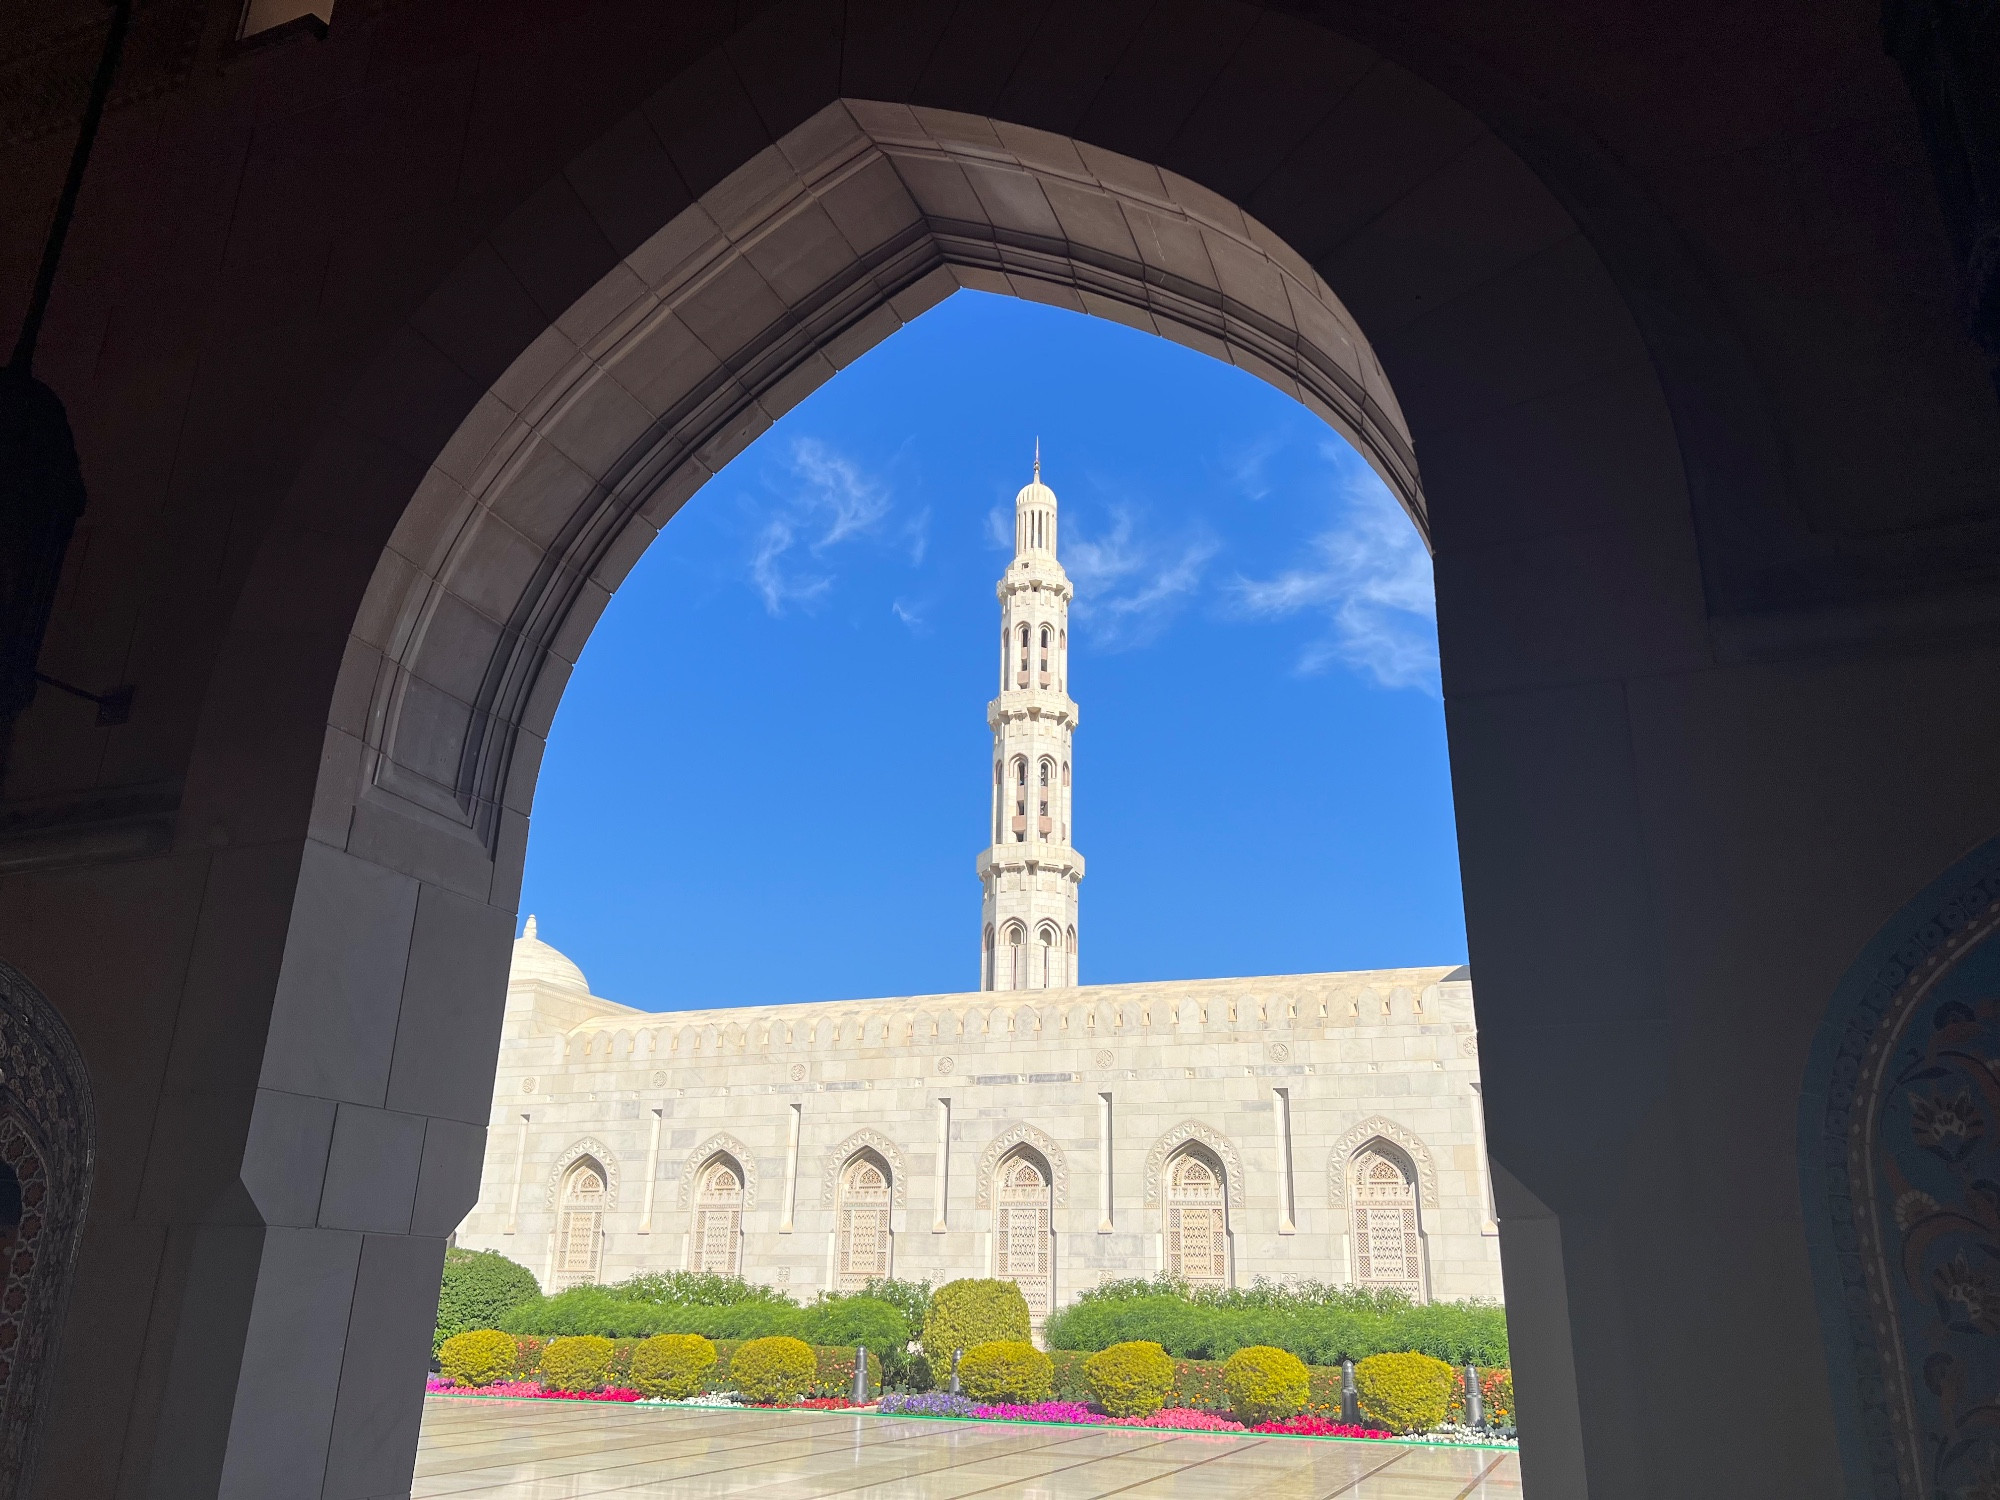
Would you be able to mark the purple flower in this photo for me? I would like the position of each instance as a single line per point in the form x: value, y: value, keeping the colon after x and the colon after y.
x: 935, y: 1404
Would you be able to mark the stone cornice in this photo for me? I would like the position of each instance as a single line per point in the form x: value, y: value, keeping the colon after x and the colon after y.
x: 1280, y: 1003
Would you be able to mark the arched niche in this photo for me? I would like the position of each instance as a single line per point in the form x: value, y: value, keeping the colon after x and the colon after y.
x: 1899, y: 1157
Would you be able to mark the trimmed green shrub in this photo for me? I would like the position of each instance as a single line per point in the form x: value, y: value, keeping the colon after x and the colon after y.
x: 579, y: 1363
x: 849, y: 1321
x: 1007, y: 1370
x: 1265, y: 1384
x: 1321, y: 1330
x: 773, y: 1371
x: 911, y: 1298
x: 596, y: 1309
x: 1198, y: 1383
x: 693, y: 1289
x: 1070, y: 1382
x: 964, y: 1314
x: 672, y: 1365
x: 479, y: 1287
x: 1404, y: 1392
x: 477, y: 1358
x: 1130, y: 1380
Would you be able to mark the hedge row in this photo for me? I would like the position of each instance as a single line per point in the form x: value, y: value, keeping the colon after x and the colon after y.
x: 1456, y: 1332
x: 833, y: 1375
x: 599, y: 1310
x: 1198, y: 1383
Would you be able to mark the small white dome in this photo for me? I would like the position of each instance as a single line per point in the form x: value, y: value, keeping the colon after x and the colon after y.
x: 1035, y: 493
x: 535, y: 962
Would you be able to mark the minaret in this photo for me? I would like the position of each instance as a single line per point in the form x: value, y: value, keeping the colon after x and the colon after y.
x: 1030, y: 872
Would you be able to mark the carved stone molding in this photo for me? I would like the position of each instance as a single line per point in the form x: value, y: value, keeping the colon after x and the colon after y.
x: 1216, y: 1142
x: 47, y: 1140
x: 1900, y: 1135
x: 841, y: 1155
x: 1022, y: 1135
x: 700, y: 1157
x: 598, y: 1152
x: 1380, y: 1127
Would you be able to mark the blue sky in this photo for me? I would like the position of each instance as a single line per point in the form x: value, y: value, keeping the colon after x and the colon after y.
x: 767, y: 779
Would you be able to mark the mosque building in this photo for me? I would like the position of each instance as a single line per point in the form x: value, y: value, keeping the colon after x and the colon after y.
x: 1057, y: 1134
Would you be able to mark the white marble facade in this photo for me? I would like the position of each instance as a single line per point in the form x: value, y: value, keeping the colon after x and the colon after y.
x: 1305, y: 1126
x: 1319, y: 1102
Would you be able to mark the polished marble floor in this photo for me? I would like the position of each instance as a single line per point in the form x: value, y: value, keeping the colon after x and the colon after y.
x: 550, y: 1450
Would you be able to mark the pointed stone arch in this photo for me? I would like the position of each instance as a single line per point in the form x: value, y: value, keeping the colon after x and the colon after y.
x: 1023, y: 1135
x: 1380, y: 1127
x: 1214, y: 1140
x: 598, y: 1152
x: 719, y: 1143
x: 841, y: 1155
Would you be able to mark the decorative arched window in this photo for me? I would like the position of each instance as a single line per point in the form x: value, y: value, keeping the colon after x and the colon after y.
x: 1388, y: 1235
x: 1197, y: 1227
x: 718, y: 1217
x: 990, y: 979
x: 1020, y: 801
x: 1017, y: 956
x: 1021, y: 1235
x: 1045, y: 657
x: 863, y: 1231
x: 580, y: 1224
x: 1043, y: 821
x: 1024, y: 656
x: 1062, y: 662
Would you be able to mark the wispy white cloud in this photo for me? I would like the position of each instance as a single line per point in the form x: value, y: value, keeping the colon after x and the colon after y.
x: 1248, y: 468
x: 1370, y: 578
x: 917, y: 535
x: 910, y: 614
x: 1130, y: 586
x: 826, y: 500
x: 1000, y: 528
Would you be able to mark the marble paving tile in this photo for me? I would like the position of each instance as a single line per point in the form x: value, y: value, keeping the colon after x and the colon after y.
x: 503, y: 1450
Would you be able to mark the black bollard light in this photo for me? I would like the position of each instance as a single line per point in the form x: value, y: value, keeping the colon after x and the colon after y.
x: 954, y: 1370
x: 1350, y: 1399
x: 1475, y: 1404
x: 860, y: 1393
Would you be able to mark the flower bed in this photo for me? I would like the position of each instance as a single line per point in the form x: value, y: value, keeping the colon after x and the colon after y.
x: 1169, y: 1419
x: 531, y: 1390
x: 534, y: 1390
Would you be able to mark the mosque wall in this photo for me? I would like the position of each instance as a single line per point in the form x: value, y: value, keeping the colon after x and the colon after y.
x: 1321, y: 1126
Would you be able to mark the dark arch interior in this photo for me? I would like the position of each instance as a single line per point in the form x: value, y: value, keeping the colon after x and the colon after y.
x: 1663, y: 347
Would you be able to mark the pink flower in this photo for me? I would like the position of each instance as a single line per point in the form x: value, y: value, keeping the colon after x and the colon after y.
x: 1311, y: 1424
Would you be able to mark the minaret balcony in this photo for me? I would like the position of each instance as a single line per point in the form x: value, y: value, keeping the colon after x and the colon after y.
x: 1035, y: 854
x: 1032, y: 703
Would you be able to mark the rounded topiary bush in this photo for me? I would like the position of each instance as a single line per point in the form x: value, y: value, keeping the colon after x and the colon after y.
x: 581, y: 1362
x: 965, y: 1314
x: 672, y: 1365
x: 477, y: 1358
x: 478, y: 1289
x: 1404, y: 1392
x: 773, y: 1371
x: 1265, y: 1384
x: 1130, y: 1380
x: 1007, y: 1370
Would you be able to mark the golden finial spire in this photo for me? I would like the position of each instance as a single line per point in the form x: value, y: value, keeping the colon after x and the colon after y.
x: 1038, y: 460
